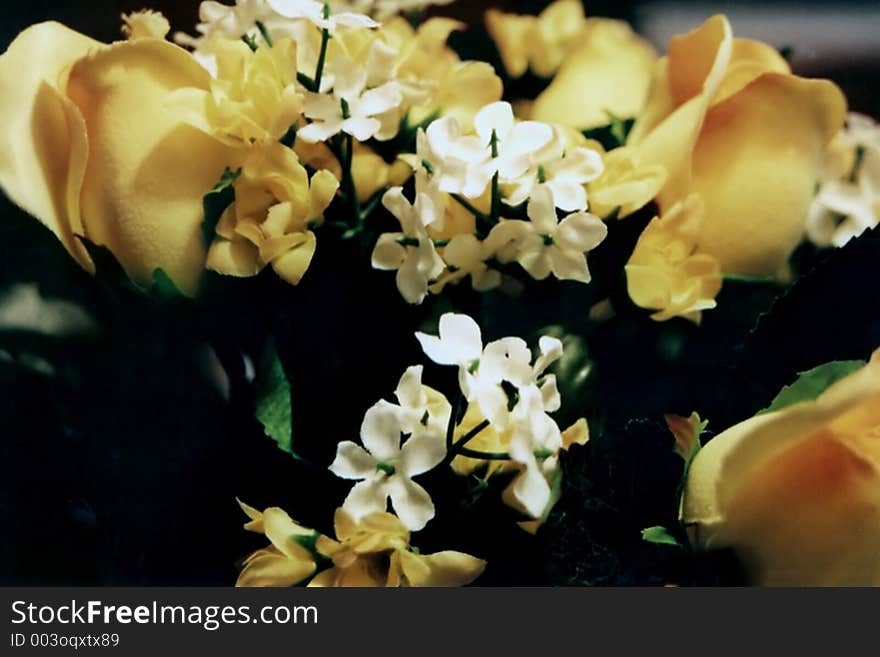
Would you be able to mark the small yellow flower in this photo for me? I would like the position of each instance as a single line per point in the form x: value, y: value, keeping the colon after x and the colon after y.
x: 253, y: 98
x: 376, y: 552
x: 625, y: 185
x: 537, y: 42
x: 665, y: 274
x: 270, y: 222
x: 286, y: 561
x: 146, y: 23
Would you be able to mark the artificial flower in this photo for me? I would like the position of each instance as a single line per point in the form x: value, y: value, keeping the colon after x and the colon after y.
x: 315, y: 13
x: 796, y: 492
x: 607, y: 73
x: 537, y: 42
x: 145, y: 24
x: 420, y: 408
x: 220, y: 22
x: 386, y: 468
x: 286, y: 561
x: 565, y: 171
x: 253, y: 98
x: 465, y: 255
x: 375, y: 551
x: 270, y: 223
x: 544, y: 244
x: 352, y: 108
x: 625, y: 185
x: 727, y: 120
x: 411, y: 252
x: 848, y: 199
x: 665, y: 274
x: 134, y: 186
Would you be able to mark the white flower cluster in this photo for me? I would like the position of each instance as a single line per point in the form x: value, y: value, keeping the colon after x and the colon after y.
x: 531, y: 163
x: 847, y: 201
x: 406, y: 439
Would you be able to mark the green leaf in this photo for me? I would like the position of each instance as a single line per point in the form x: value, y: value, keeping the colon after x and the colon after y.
x: 658, y: 535
x: 272, y: 400
x: 812, y: 383
x: 216, y: 201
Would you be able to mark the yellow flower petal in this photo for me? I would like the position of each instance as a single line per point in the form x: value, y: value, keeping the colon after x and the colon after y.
x: 292, y: 264
x: 43, y: 144
x: 608, y: 71
x: 755, y: 166
x: 147, y: 174
x: 270, y: 568
x: 446, y: 568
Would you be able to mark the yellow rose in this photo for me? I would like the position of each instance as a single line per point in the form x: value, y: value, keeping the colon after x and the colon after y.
x: 89, y: 148
x: 728, y: 121
x: 796, y: 492
x: 608, y: 71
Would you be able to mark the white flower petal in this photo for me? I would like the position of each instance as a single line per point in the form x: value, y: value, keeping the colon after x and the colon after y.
x: 542, y: 210
x: 379, y: 100
x: 411, y: 281
x: 421, y: 452
x: 550, y: 396
x: 551, y: 351
x: 409, y: 389
x: 532, y: 490
x: 380, y: 431
x: 568, y: 195
x: 366, y: 497
x: 319, y: 131
x: 411, y: 502
x: 353, y: 462
x: 361, y: 128
x: 507, y: 359
x: 581, y: 232
x: 322, y: 106
x: 388, y: 254
x: 497, y: 117
x: 568, y: 265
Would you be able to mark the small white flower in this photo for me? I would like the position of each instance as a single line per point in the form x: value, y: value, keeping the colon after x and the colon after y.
x: 421, y: 409
x: 453, y: 158
x: 535, y: 444
x: 515, y: 142
x: 351, y: 107
x: 846, y: 207
x: 411, y: 252
x: 313, y: 12
x: 545, y: 245
x: 386, y: 468
x: 466, y: 256
x: 564, y: 173
x: 481, y: 371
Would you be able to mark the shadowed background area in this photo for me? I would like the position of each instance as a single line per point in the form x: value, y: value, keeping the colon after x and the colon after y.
x: 120, y: 456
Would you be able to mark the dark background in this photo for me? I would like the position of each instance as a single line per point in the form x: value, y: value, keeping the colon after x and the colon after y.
x: 122, y: 467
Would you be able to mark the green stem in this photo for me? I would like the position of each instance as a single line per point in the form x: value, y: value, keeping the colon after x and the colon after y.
x: 463, y: 202
x: 265, y: 32
x: 347, y: 176
x: 496, y: 196
x: 460, y: 446
x: 450, y: 426
x: 322, y: 54
x: 484, y: 456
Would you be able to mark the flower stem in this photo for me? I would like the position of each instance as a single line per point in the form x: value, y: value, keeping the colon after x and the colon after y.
x: 322, y: 54
x: 496, y: 196
x: 463, y: 202
x: 453, y: 417
x: 484, y: 456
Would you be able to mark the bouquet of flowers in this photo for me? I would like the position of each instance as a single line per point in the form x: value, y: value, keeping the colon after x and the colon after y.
x: 552, y: 308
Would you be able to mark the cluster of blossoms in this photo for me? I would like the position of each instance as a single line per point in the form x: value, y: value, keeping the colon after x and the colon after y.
x: 506, y: 396
x: 847, y: 201
x: 500, y: 422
